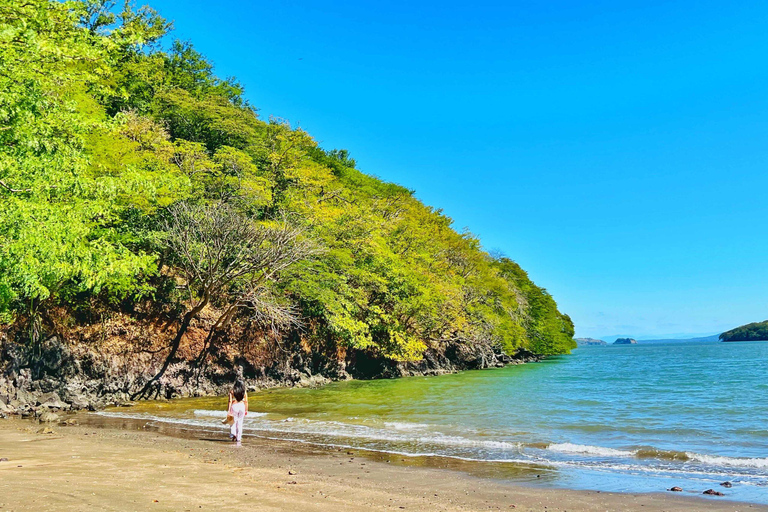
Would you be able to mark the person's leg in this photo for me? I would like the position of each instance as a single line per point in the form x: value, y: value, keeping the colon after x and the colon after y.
x: 239, y: 423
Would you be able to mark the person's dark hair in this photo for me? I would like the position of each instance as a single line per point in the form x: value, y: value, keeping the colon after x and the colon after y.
x: 238, y: 390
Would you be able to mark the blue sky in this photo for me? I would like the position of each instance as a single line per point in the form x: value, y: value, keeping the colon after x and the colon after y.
x: 616, y: 150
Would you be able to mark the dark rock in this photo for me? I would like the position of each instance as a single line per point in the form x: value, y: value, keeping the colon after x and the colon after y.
x: 676, y: 489
x: 727, y: 484
x: 3, y: 459
x: 526, y: 356
x: 73, y: 375
x: 625, y: 341
x: 712, y: 492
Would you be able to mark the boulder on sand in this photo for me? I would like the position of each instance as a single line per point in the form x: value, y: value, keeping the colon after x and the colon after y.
x: 48, y: 417
x: 52, y: 401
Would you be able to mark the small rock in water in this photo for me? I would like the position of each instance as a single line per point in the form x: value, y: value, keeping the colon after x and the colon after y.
x: 727, y: 484
x: 46, y: 430
x: 712, y: 492
x: 677, y: 489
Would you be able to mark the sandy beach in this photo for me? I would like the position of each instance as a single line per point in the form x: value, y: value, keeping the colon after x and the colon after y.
x: 123, y: 466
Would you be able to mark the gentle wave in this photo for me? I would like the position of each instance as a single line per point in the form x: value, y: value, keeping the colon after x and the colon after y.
x: 398, y: 425
x: 589, y: 450
x: 666, y: 455
x: 213, y: 414
x: 655, y: 453
x: 223, y: 414
x: 739, y: 462
x: 411, y: 433
x: 329, y: 428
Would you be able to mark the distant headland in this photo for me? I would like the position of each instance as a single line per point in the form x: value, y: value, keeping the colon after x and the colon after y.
x: 589, y: 342
x: 756, y: 331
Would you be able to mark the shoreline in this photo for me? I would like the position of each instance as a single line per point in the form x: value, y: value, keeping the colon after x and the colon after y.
x: 122, y: 465
x: 72, y: 390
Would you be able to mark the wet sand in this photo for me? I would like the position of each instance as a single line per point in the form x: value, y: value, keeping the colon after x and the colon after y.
x: 128, y: 466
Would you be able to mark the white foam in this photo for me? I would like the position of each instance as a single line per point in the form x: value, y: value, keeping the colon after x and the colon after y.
x: 717, y: 460
x: 401, y: 453
x: 589, y: 450
x: 397, y: 425
x: 223, y: 414
x: 213, y: 414
x: 423, y: 442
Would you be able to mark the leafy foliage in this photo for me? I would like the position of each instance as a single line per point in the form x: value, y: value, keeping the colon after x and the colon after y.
x: 105, y: 138
x: 755, y: 331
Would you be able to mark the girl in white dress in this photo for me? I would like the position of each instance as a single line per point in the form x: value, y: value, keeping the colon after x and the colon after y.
x: 238, y: 408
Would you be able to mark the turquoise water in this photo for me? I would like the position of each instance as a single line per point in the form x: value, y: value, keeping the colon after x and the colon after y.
x: 638, y: 418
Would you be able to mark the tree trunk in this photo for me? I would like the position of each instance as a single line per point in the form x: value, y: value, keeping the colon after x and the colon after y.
x: 174, y: 349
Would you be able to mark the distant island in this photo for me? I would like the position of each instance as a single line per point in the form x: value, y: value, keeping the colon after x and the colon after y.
x: 625, y: 341
x: 589, y: 342
x: 756, y: 331
x: 713, y: 337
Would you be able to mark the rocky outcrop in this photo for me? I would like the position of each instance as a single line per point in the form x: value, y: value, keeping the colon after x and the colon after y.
x: 54, y: 376
x: 625, y: 341
x: 448, y: 357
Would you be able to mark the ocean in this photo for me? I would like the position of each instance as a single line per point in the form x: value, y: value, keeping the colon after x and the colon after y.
x: 636, y: 418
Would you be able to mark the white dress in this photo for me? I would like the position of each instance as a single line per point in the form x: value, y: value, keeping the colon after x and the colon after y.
x: 238, y: 413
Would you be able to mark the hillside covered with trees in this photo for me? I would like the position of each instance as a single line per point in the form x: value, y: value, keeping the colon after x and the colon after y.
x: 756, y: 331
x: 150, y: 219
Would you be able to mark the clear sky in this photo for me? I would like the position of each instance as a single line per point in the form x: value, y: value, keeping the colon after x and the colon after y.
x: 616, y: 150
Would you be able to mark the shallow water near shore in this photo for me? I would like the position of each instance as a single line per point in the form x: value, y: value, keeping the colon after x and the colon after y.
x: 639, y: 418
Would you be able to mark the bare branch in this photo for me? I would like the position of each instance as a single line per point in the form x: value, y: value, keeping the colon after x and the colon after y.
x: 14, y: 190
x: 233, y: 260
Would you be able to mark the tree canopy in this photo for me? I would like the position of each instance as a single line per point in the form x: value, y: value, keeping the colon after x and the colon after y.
x: 113, y: 150
x: 756, y: 331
